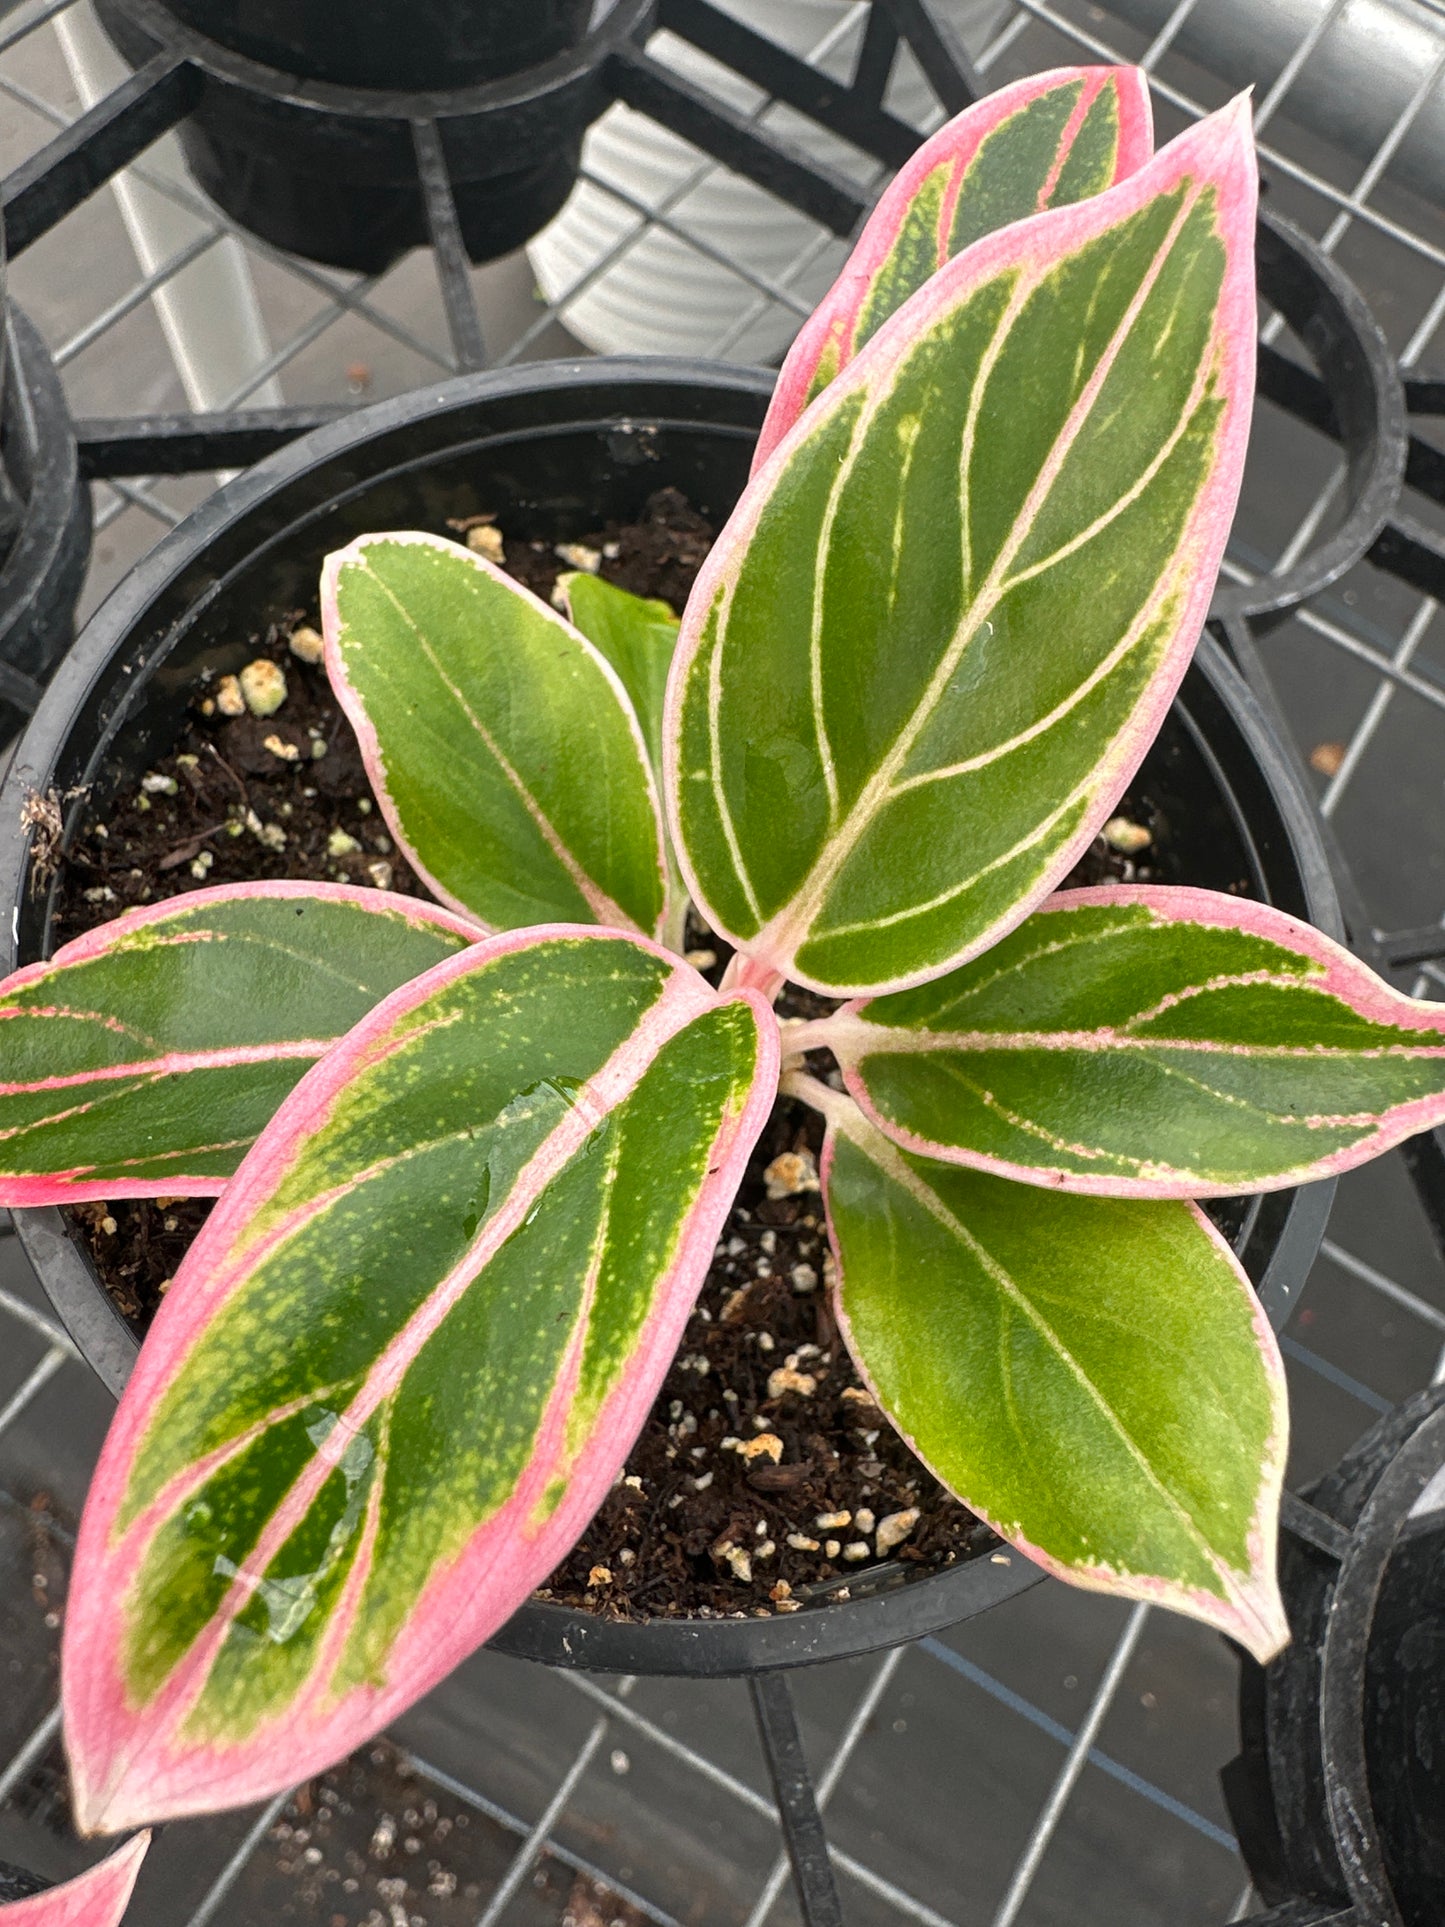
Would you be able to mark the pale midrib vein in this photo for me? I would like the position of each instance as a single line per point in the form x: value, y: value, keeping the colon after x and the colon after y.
x: 893, y: 1165
x: 1037, y: 835
x: 1137, y: 633
x: 722, y: 610
x: 821, y: 560
x: 1095, y: 1043
x: 1131, y: 1162
x: 321, y: 965
x: 1192, y: 402
x: 1016, y: 965
x: 1078, y: 115
x: 805, y: 905
x: 387, y: 1371
x: 593, y: 895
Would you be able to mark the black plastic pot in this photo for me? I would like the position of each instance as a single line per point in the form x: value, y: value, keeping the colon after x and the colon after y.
x: 557, y: 449
x: 414, y: 45
x: 1357, y: 396
x: 306, y: 126
x: 17, y: 1884
x: 1339, y: 1795
x: 44, y: 516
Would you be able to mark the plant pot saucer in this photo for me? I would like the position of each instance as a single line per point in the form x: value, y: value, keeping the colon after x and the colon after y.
x: 559, y: 449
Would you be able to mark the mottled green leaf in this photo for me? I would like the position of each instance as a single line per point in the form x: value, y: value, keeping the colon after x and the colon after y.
x: 403, y: 1362
x: 1150, y: 1043
x: 145, y: 1056
x: 1093, y: 1376
x: 500, y: 743
x: 937, y: 635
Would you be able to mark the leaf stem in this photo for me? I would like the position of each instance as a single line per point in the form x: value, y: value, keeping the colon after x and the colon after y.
x: 815, y: 1093
x: 674, y: 928
x: 748, y: 973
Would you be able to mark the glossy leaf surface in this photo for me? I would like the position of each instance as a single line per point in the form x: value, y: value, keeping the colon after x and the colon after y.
x: 500, y: 743
x: 145, y: 1056
x: 947, y: 617
x: 403, y: 1362
x: 1140, y: 1042
x: 1046, y: 141
x: 1093, y: 1376
x: 96, y: 1898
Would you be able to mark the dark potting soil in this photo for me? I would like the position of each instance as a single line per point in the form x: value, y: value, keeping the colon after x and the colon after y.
x: 764, y: 1476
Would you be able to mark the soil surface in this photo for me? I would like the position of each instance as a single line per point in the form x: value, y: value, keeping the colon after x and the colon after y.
x: 764, y: 1477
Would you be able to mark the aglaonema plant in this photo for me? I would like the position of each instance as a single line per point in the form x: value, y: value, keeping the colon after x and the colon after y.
x: 409, y: 1351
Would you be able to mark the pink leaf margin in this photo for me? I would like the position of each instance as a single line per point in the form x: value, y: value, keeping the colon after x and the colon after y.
x: 610, y: 914
x: 125, y: 1763
x: 835, y: 318
x: 1217, y: 151
x: 19, y: 1192
x: 96, y: 1898
x: 1341, y: 975
x: 1253, y: 1612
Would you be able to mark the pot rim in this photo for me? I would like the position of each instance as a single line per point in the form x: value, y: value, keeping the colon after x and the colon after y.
x: 543, y: 1630
x: 625, y: 21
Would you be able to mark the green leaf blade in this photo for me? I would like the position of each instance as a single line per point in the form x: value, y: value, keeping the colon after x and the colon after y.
x: 145, y: 1056
x: 1136, y: 1041
x: 1046, y: 141
x: 404, y: 1361
x: 1094, y: 1377
x: 638, y: 636
x: 501, y: 744
x: 948, y: 615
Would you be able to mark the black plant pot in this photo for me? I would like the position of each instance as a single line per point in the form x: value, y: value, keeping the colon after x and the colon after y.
x: 305, y: 127
x: 1339, y: 1794
x: 556, y: 449
x: 17, y: 1884
x: 412, y: 46
x: 44, y: 518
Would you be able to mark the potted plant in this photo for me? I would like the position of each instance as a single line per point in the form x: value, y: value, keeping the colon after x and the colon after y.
x: 304, y: 127
x: 402, y: 1362
x: 44, y: 515
x: 1336, y: 1796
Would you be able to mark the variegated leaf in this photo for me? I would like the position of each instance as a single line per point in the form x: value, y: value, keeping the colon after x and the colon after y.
x: 501, y: 744
x: 403, y: 1362
x: 1150, y: 1043
x: 145, y: 1056
x: 1093, y: 1376
x: 96, y: 1898
x: 947, y: 617
x: 1045, y: 141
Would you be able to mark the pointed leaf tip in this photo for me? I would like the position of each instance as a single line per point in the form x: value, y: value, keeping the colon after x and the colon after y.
x: 1095, y: 1378
x: 96, y: 1898
x: 1137, y: 1041
x: 1045, y: 141
x: 403, y: 1362
x: 501, y: 744
x: 947, y: 617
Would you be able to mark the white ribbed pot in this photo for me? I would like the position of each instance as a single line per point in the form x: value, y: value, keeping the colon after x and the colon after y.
x: 659, y: 295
